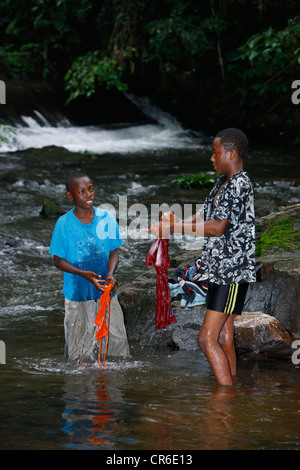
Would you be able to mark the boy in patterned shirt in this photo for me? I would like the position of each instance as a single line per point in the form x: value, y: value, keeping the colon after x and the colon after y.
x: 228, y: 255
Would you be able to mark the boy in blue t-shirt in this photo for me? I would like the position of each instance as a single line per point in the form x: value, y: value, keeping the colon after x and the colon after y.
x: 84, y: 246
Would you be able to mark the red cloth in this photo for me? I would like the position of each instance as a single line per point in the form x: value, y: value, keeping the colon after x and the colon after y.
x: 158, y: 257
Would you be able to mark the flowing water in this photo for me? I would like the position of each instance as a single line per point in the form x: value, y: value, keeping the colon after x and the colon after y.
x: 155, y: 400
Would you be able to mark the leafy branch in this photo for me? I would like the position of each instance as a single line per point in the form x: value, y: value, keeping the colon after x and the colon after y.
x: 91, y: 70
x: 199, y: 180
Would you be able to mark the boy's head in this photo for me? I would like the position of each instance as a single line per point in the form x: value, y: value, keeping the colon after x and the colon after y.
x: 80, y: 190
x: 234, y: 139
x: 73, y: 177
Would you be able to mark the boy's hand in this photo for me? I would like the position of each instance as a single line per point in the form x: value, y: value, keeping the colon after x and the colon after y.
x: 94, y: 278
x: 169, y: 216
x: 163, y: 228
x: 99, y: 283
x: 110, y: 280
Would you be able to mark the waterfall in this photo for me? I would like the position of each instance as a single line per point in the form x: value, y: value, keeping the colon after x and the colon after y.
x: 162, y: 131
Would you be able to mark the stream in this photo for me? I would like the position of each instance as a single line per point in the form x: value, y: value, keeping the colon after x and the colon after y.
x: 155, y: 400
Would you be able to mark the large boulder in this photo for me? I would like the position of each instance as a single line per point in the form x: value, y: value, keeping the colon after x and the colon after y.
x: 263, y: 334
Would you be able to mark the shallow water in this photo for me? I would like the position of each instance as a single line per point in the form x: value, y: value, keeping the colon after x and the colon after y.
x: 165, y: 400
x: 153, y: 401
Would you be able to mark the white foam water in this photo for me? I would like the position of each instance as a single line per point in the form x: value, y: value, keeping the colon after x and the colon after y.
x: 165, y: 132
x: 49, y: 366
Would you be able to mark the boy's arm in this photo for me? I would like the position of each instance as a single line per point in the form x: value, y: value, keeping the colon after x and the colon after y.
x: 168, y: 216
x: 64, y: 265
x: 208, y: 228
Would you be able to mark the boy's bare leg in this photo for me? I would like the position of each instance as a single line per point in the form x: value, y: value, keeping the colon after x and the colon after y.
x: 209, y: 343
x: 226, y: 340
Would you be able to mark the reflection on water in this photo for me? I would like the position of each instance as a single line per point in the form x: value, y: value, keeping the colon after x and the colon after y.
x: 183, y: 409
x: 157, y: 399
x: 154, y: 401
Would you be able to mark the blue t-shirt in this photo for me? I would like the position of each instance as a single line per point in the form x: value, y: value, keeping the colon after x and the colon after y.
x: 86, y: 246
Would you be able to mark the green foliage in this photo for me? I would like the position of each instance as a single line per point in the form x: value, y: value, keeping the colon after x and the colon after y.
x: 22, y: 62
x: 90, y: 70
x: 272, y: 59
x: 234, y: 59
x: 199, y: 180
x: 38, y: 36
x: 179, y: 39
x: 4, y: 130
x: 279, y: 234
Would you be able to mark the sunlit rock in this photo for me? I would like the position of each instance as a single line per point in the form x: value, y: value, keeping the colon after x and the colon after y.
x: 263, y: 334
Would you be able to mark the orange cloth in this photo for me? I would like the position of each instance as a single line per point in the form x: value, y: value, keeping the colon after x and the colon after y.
x: 102, y: 327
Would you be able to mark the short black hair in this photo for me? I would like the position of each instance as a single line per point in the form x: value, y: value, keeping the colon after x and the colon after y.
x: 234, y: 139
x: 73, y: 177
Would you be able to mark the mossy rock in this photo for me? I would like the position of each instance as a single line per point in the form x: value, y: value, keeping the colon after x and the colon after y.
x: 52, y: 154
x: 51, y: 208
x: 8, y: 177
x: 279, y: 232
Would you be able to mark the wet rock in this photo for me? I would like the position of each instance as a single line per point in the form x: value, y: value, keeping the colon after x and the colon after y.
x: 263, y: 334
x: 8, y: 177
x: 138, y: 303
x: 277, y: 291
x: 52, y: 155
x: 7, y: 241
x: 185, y: 338
x: 51, y: 208
x: 279, y: 233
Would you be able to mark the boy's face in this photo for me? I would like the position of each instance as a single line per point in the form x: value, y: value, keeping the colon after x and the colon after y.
x: 221, y: 159
x: 82, y: 193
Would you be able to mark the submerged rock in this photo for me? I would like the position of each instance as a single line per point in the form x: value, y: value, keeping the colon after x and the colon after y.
x: 8, y: 177
x: 51, y: 208
x: 8, y: 241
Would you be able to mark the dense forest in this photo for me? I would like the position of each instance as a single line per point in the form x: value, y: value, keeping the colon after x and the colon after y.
x: 210, y: 62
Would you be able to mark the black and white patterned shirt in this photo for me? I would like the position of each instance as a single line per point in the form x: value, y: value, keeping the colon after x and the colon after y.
x: 231, y: 258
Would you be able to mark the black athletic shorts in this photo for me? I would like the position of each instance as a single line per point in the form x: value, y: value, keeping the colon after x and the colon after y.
x: 227, y: 298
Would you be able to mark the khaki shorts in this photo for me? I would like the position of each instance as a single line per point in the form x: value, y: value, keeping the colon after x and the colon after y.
x: 80, y: 330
